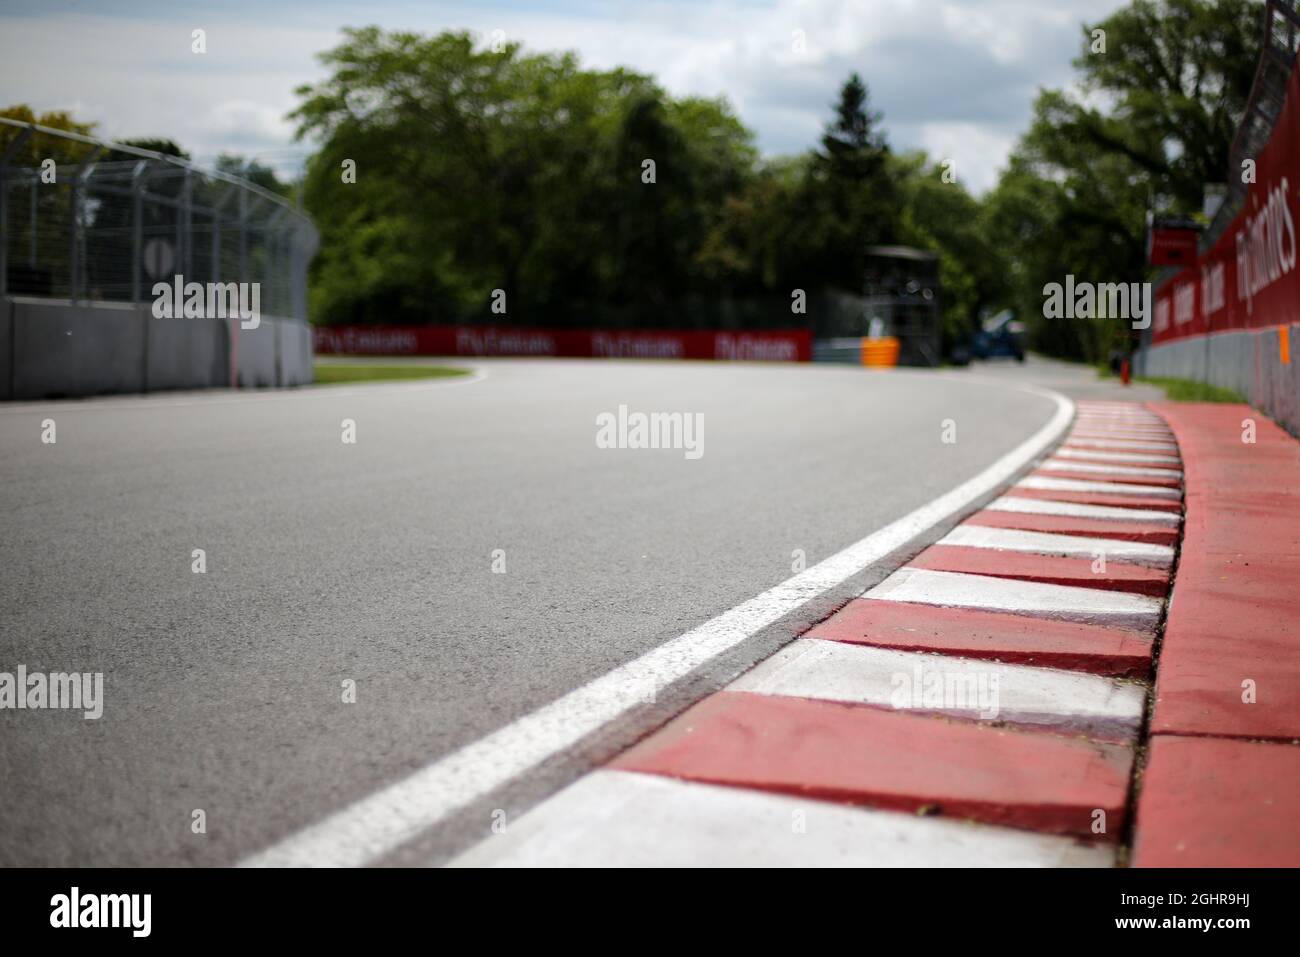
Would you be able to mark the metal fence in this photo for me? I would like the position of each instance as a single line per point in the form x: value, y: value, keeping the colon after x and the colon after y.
x: 84, y: 219
x: 1267, y: 94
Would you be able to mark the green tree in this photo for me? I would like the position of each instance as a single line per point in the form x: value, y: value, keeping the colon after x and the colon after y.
x: 253, y: 171
x: 944, y: 217
x: 1173, y: 81
x: 158, y: 145
x: 39, y: 146
x: 853, y: 147
x: 479, y: 169
x: 849, y: 192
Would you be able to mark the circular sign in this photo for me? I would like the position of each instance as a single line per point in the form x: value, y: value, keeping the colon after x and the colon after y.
x: 158, y: 258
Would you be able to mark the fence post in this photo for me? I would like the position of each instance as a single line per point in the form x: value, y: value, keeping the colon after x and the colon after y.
x: 31, y: 235
x: 186, y: 217
x: 10, y: 152
x: 138, y: 176
x: 179, y: 232
x: 270, y: 234
x: 243, y: 235
x: 82, y: 172
x: 218, y: 210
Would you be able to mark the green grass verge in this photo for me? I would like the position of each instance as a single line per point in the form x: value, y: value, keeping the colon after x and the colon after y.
x: 1186, y: 390
x: 329, y: 373
x: 1180, y: 390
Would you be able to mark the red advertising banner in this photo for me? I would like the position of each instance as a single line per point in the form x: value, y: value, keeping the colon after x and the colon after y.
x: 1248, y: 280
x: 789, y: 345
x: 1169, y: 246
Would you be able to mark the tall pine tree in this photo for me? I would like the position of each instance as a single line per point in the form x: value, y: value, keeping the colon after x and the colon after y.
x: 853, y: 146
x: 857, y: 204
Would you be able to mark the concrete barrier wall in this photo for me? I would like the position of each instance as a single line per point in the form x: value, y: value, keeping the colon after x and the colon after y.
x: 53, y: 348
x: 1247, y: 361
x: 256, y: 354
x: 64, y: 350
x: 6, y: 348
x: 186, y: 354
x: 295, y: 353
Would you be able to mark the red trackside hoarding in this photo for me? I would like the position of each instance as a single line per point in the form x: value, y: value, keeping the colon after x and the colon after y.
x: 789, y: 345
x: 1249, y: 279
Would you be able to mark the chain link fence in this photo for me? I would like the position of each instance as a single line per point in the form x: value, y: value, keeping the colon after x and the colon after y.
x: 1267, y: 94
x: 82, y: 219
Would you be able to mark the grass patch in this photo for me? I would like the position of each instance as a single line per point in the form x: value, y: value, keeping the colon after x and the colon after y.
x: 330, y: 373
x: 1187, y: 390
x: 1180, y: 390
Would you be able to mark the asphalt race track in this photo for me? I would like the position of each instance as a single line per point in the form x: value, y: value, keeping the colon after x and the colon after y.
x: 373, y: 563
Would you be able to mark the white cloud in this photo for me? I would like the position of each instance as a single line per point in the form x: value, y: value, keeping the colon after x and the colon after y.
x: 976, y: 151
x: 952, y: 76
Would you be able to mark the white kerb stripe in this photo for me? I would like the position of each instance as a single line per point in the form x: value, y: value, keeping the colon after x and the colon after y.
x: 1066, y: 546
x: 1062, y: 602
x: 1151, y: 435
x: 1120, y: 419
x: 1145, y: 420
x: 388, y: 818
x: 939, y: 684
x: 1115, y: 456
x: 1111, y: 417
x: 628, y: 819
x: 1048, y: 484
x: 1045, y: 506
x: 1130, y: 444
x: 1065, y: 465
x: 1117, y: 407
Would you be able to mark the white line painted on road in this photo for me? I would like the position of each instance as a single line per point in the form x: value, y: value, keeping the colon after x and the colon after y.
x: 385, y: 820
x: 1065, y: 465
x: 939, y: 684
x: 1063, y: 602
x: 1045, y: 506
x: 628, y: 819
x: 1047, y: 484
x: 1065, y: 546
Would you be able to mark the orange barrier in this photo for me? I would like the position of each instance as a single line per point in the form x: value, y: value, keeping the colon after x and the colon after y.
x: 881, y: 352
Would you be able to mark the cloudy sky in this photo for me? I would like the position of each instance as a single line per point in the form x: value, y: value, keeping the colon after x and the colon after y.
x: 954, y: 77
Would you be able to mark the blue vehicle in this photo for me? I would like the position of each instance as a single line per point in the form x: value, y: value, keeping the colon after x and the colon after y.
x: 1001, y: 335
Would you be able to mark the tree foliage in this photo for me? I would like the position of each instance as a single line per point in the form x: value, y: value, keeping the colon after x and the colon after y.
x: 446, y: 170
x: 1150, y: 125
x: 479, y: 170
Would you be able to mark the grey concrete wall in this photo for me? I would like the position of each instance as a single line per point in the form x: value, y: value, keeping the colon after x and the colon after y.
x: 1248, y: 362
x: 6, y: 348
x: 52, y: 348
x: 256, y: 354
x: 277, y: 352
x: 295, y: 353
x: 186, y: 353
x: 64, y: 350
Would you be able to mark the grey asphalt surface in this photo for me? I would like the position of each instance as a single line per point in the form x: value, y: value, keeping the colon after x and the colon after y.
x: 372, y: 562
